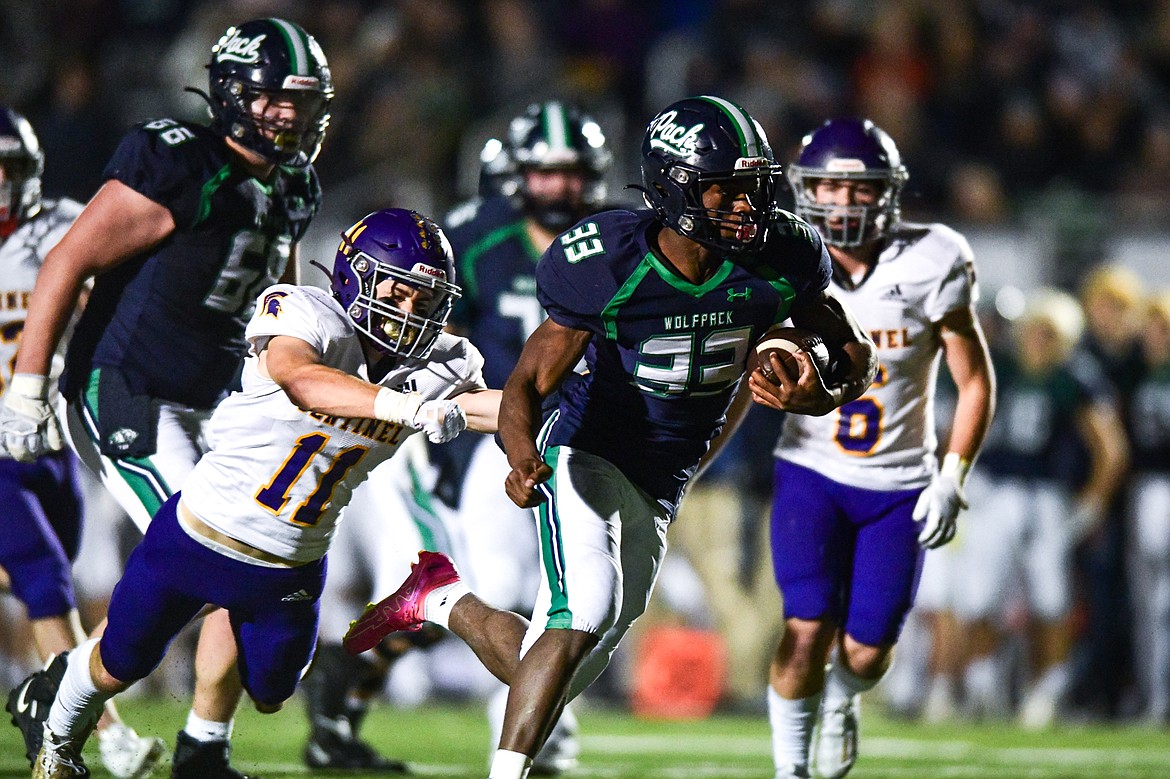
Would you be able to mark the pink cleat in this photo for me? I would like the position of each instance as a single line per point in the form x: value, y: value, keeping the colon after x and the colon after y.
x: 404, y: 609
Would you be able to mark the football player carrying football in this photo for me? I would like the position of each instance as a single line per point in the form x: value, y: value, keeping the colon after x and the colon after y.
x: 858, y: 495
x: 191, y: 223
x: 664, y: 305
x: 332, y: 385
x: 40, y: 528
x: 544, y: 176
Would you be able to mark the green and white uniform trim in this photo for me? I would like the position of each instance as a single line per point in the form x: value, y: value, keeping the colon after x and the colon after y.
x: 298, y: 46
x: 751, y: 142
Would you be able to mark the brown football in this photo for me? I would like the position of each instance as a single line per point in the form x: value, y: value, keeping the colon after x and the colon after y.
x: 783, y: 342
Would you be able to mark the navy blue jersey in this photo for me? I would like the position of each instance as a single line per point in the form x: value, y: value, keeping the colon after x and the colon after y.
x: 172, y: 319
x: 496, y: 267
x: 1034, y: 432
x: 1149, y: 422
x: 666, y: 355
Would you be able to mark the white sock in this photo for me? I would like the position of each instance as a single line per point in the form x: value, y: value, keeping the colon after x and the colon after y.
x: 204, y: 730
x: 509, y: 765
x: 841, y: 683
x: 985, y: 687
x: 792, y: 726
x: 1055, y: 681
x: 79, y: 702
x: 439, y: 602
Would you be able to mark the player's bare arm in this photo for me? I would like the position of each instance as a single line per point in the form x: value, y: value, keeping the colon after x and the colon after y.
x: 965, y: 351
x: 482, y: 408
x: 292, y: 271
x: 1104, y: 434
x: 548, y: 358
x: 297, y: 367
x: 809, y: 392
x: 116, y: 225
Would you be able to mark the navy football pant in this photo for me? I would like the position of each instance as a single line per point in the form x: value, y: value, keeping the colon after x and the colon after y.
x: 844, y: 553
x: 171, y: 576
x: 40, y: 531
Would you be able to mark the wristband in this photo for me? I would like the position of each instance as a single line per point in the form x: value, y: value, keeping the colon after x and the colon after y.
x: 397, y: 407
x: 956, y: 467
x: 30, y: 385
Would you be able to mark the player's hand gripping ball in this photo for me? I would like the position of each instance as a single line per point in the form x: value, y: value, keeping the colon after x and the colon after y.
x: 784, y: 342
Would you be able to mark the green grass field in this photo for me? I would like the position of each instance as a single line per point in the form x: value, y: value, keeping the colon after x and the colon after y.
x: 450, y: 741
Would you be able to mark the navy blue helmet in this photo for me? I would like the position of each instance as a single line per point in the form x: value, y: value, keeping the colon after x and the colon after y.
x: 697, y: 142
x: 405, y: 246
x: 23, y: 161
x: 257, y: 61
x: 552, y: 135
x: 852, y: 149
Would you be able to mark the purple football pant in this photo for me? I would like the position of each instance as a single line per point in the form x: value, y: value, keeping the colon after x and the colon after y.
x: 844, y: 554
x: 168, y: 579
x: 40, y: 531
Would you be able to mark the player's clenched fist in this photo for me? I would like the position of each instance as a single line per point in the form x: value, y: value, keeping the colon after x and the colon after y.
x: 522, y: 482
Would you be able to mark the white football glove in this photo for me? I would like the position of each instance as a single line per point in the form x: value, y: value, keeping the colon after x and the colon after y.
x: 939, y: 504
x: 28, y: 425
x: 441, y: 420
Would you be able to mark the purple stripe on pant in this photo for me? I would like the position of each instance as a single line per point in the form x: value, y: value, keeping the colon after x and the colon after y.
x: 845, y: 554
x: 168, y: 579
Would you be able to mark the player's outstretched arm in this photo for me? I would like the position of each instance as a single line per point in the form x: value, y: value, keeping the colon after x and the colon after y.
x: 548, y: 358
x: 482, y: 408
x: 116, y: 225
x: 296, y: 366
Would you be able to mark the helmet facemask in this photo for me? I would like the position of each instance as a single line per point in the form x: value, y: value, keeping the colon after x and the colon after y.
x: 287, y: 137
x: 23, y: 162
x: 392, y: 329
x: 848, y: 225
x: 706, y: 225
x: 386, y: 259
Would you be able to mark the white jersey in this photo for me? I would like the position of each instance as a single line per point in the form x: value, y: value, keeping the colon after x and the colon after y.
x: 277, y: 477
x: 21, y: 257
x: 885, y: 440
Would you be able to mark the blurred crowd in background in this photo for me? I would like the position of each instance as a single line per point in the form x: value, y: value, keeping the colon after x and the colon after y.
x: 1008, y: 114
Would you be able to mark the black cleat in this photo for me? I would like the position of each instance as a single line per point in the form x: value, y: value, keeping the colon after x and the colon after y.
x: 29, y: 703
x: 334, y: 748
x: 203, y: 760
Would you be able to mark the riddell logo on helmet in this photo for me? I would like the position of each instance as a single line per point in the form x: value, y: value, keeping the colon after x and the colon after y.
x: 427, y: 270
x: 233, y: 47
x: 673, y: 138
x: 846, y: 166
x: 750, y: 163
x: 301, y: 82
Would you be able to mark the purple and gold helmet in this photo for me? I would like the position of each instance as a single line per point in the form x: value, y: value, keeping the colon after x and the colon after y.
x: 407, y: 247
x: 850, y: 149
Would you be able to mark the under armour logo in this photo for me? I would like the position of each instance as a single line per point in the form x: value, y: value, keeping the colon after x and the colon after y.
x: 745, y: 295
